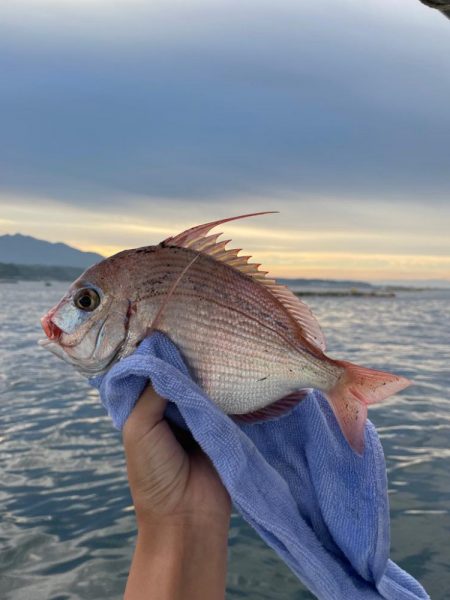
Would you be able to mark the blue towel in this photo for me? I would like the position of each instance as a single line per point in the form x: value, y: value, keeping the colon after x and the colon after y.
x: 321, y: 507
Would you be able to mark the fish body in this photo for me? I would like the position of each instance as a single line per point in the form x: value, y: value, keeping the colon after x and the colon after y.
x: 249, y: 343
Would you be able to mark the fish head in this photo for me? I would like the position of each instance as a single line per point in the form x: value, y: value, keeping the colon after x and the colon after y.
x: 88, y: 327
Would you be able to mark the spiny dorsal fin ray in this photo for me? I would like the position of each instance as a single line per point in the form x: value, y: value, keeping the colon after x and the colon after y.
x: 301, y: 313
x: 185, y: 239
x: 196, y: 238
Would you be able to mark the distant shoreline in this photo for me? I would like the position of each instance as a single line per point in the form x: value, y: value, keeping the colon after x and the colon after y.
x: 346, y: 293
x: 14, y: 273
x: 10, y: 272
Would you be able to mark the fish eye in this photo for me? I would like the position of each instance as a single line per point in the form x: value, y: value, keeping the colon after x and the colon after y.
x: 86, y: 299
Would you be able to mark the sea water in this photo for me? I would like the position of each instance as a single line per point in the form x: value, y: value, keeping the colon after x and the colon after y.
x: 67, y: 526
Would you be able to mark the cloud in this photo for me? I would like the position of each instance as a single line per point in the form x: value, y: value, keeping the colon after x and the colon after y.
x: 218, y: 101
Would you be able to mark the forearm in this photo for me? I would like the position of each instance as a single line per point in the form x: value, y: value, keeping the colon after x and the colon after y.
x: 179, y: 559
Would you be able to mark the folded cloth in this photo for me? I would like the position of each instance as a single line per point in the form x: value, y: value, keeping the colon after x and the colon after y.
x: 320, y: 506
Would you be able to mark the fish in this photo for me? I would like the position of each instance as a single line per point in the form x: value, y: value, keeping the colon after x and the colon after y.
x: 251, y: 344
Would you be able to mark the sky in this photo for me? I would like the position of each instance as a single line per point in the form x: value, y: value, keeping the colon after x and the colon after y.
x: 125, y: 121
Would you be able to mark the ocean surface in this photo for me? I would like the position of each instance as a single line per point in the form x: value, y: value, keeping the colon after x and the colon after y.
x: 66, y: 521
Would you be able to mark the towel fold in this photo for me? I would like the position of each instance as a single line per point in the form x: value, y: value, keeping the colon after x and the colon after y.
x: 322, y: 508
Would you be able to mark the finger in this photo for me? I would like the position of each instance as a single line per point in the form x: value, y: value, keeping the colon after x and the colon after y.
x: 148, y: 411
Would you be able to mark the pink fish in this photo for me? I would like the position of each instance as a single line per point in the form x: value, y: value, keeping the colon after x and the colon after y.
x: 249, y: 342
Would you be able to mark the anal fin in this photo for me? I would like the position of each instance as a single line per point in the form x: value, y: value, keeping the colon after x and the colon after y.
x: 274, y: 410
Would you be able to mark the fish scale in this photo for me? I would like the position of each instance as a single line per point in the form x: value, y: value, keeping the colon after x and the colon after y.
x: 240, y: 376
x: 249, y: 342
x: 241, y: 292
x: 259, y: 369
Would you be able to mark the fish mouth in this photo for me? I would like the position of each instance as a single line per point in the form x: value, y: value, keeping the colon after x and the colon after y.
x: 83, y: 366
x: 52, y: 331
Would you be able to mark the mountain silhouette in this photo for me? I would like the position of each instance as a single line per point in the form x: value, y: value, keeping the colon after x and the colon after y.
x: 26, y: 250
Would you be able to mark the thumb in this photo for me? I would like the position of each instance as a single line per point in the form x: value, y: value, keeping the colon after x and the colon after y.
x: 148, y: 411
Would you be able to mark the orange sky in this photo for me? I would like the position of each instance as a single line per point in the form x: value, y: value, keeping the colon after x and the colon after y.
x: 282, y: 243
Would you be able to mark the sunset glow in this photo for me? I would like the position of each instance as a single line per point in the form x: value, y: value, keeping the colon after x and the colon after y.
x: 284, y: 250
x: 123, y: 123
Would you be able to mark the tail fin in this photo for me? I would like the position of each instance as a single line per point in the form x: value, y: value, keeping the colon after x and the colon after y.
x: 356, y: 388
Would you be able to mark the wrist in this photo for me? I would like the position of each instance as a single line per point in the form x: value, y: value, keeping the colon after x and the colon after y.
x: 182, y: 556
x: 181, y: 530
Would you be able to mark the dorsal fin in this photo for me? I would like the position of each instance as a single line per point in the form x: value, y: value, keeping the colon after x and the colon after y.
x: 187, y: 238
x: 301, y: 313
x: 196, y: 238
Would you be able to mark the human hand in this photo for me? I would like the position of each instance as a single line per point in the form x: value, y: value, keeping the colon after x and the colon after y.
x: 182, y: 510
x: 166, y: 480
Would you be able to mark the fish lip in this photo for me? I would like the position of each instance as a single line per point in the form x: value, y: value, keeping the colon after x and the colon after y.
x: 80, y: 366
x: 43, y: 342
x: 51, y: 330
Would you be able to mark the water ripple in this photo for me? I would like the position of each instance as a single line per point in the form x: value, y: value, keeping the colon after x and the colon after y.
x: 67, y: 528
